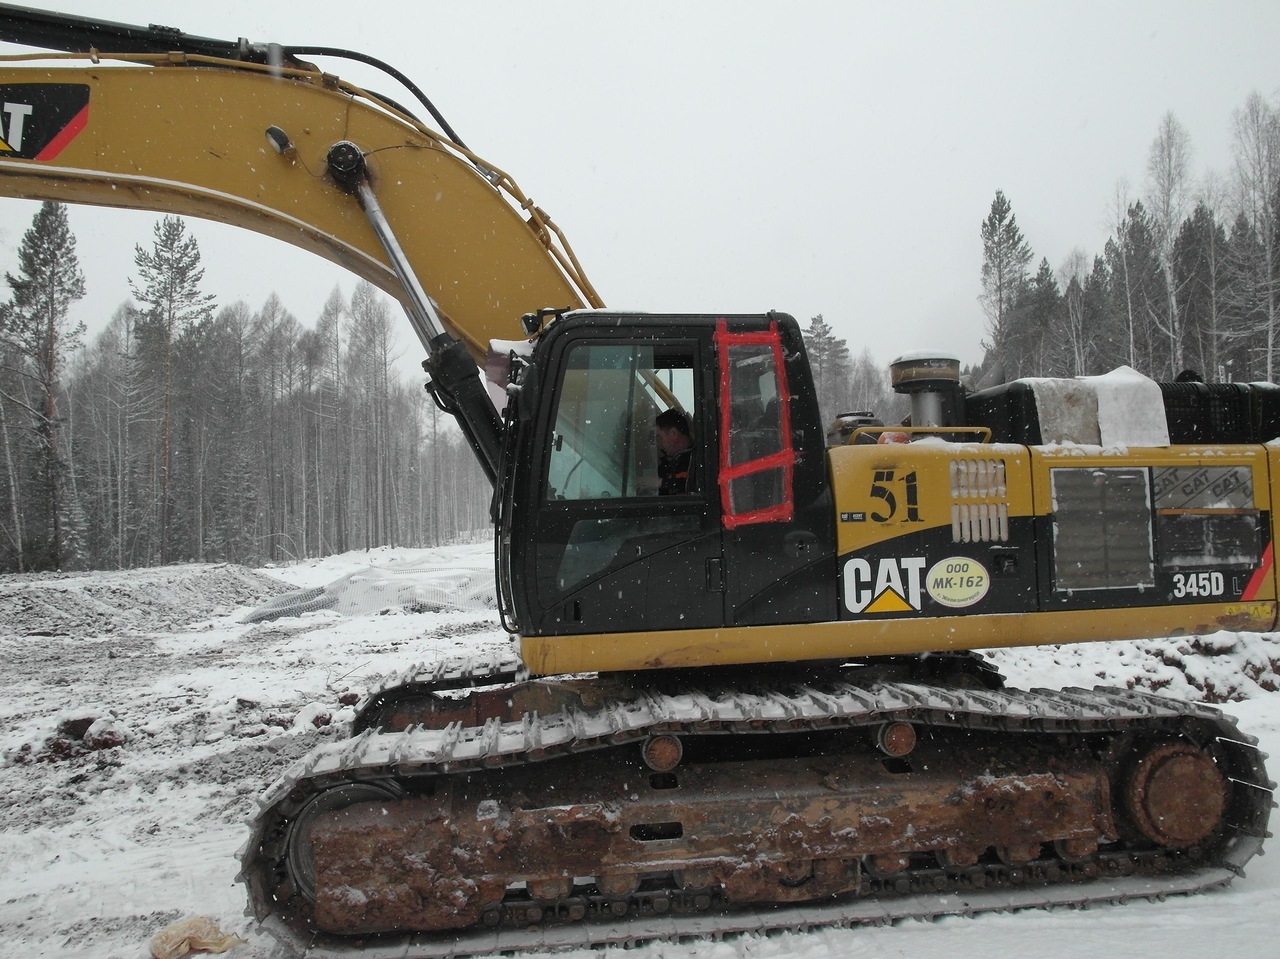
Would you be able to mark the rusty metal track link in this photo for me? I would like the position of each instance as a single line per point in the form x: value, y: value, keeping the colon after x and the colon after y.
x: 445, y: 675
x: 384, y: 764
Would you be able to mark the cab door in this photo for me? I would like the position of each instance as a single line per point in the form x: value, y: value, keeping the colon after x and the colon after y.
x: 604, y: 551
x: 775, y: 499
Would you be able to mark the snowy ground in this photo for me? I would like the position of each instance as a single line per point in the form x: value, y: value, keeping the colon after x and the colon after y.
x: 140, y: 716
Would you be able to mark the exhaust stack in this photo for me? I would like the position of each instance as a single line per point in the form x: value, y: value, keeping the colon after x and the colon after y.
x: 928, y: 378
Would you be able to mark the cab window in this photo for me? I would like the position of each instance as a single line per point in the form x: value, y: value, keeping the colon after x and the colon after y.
x: 604, y: 444
x: 757, y: 459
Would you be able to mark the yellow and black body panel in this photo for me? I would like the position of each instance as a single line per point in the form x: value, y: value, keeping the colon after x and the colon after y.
x: 1178, y: 538
x: 951, y: 546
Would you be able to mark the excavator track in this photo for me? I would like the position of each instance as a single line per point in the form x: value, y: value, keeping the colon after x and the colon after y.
x: 586, y: 826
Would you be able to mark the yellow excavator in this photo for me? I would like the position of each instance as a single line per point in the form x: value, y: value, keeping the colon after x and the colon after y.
x: 746, y: 700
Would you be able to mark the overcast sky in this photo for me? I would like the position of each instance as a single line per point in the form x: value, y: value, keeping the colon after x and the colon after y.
x: 833, y: 158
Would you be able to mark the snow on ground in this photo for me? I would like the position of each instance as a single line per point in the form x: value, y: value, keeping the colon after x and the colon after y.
x: 141, y: 715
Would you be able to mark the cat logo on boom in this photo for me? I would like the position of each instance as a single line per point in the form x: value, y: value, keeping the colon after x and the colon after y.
x: 893, y: 586
x: 38, y: 120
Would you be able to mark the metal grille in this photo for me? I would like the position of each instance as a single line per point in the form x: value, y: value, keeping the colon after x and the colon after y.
x: 979, y: 501
x: 1102, y: 528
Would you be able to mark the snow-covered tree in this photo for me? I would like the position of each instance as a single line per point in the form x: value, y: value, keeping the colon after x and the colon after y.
x: 1005, y: 258
x: 829, y: 361
x: 38, y: 338
x: 171, y: 300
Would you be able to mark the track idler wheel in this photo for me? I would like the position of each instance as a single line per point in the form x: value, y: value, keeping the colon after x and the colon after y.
x: 549, y: 890
x: 1176, y: 795
x: 301, y: 857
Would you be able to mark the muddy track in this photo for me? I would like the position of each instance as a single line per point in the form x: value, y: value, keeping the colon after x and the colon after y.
x: 583, y: 912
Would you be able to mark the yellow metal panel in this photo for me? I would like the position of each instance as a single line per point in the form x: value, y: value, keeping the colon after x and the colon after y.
x: 864, y: 476
x: 547, y: 656
x: 1267, y: 579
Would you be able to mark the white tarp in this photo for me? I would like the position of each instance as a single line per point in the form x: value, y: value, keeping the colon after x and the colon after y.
x: 1120, y: 408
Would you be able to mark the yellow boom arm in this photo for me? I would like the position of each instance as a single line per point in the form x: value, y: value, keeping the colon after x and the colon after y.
x: 186, y: 134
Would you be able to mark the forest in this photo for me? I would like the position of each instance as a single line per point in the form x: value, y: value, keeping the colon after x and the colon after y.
x: 189, y: 432
x: 1188, y: 282
x: 192, y: 431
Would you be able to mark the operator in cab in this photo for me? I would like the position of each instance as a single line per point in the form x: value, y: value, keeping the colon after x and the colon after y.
x: 675, y: 453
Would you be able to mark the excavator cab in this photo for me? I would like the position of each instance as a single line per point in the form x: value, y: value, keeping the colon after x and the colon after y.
x: 587, y: 543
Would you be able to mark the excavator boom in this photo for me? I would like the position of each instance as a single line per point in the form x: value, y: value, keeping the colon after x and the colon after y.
x: 192, y: 131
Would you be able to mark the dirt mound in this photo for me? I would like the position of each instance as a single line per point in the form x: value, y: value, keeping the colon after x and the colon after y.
x: 132, y: 601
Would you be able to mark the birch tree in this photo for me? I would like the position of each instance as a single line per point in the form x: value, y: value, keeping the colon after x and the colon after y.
x: 1073, y: 276
x: 1168, y: 190
x: 1256, y: 152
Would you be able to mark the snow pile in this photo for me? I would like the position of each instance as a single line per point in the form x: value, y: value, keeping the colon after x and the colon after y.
x: 1130, y: 409
x: 134, y: 744
x: 428, y: 583
x: 1218, y: 668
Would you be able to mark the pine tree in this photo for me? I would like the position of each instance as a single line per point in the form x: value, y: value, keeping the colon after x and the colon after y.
x: 1199, y: 274
x: 232, y: 489
x: 40, y: 337
x: 168, y: 289
x: 1005, y: 257
x: 1036, y: 339
x: 1246, y: 297
x: 1105, y: 340
x: 829, y: 360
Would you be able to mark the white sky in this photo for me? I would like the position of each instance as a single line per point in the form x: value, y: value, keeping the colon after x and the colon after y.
x: 833, y: 157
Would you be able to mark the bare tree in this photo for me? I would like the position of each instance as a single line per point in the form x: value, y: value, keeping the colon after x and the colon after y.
x: 371, y: 356
x: 1168, y: 192
x: 1072, y: 276
x: 869, y: 387
x: 1256, y: 150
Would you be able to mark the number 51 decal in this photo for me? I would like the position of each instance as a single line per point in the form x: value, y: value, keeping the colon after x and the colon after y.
x: 883, y: 487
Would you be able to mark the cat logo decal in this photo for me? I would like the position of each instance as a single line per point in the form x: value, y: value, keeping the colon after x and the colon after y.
x: 38, y: 120
x: 892, y: 586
